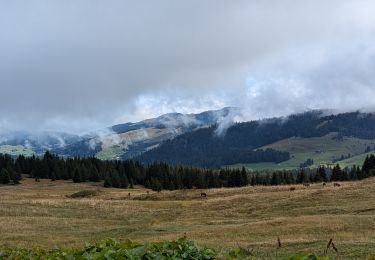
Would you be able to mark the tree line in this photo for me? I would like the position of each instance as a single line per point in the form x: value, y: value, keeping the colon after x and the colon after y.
x: 159, y: 176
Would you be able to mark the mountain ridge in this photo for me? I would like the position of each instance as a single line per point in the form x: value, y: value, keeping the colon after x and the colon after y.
x: 204, y: 148
x: 121, y: 141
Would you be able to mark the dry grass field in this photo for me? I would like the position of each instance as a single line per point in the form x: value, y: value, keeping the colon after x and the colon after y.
x: 43, y: 215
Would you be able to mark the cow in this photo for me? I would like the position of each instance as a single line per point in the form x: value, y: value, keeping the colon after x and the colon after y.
x: 306, y: 184
x: 324, y: 184
x: 203, y: 195
x: 336, y: 184
x: 292, y: 189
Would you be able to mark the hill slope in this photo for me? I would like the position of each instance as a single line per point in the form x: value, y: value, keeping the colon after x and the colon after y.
x: 121, y: 141
x: 345, y: 133
x: 328, y: 149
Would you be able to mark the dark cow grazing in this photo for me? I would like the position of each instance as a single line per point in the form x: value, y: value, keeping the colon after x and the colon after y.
x: 203, y: 195
x: 336, y: 184
x: 292, y: 189
x: 129, y: 195
x: 306, y: 184
x: 324, y: 184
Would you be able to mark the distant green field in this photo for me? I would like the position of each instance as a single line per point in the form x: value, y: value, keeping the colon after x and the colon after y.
x: 355, y: 160
x: 323, y: 150
x: 112, y: 152
x: 16, y: 150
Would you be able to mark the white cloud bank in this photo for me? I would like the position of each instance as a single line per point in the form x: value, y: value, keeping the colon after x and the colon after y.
x: 81, y: 65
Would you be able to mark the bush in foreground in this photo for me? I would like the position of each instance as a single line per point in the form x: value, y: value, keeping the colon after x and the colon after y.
x: 112, y: 249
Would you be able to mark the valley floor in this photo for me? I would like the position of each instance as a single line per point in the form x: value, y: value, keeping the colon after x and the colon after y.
x: 43, y: 215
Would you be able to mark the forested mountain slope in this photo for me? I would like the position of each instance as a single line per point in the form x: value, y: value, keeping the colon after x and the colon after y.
x: 240, y: 142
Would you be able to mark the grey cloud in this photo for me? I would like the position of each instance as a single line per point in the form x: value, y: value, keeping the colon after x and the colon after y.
x: 82, y: 65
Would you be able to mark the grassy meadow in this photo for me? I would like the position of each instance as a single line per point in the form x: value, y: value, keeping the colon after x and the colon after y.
x: 323, y: 150
x: 42, y: 214
x: 16, y: 150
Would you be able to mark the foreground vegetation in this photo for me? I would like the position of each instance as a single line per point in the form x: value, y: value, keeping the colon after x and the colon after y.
x: 45, y: 215
x: 112, y: 249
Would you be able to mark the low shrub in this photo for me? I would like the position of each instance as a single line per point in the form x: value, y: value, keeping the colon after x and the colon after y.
x: 84, y: 194
x: 112, y: 249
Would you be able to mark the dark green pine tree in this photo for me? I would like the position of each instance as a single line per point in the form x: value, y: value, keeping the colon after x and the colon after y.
x: 301, y: 177
x: 107, y: 181
x: 359, y: 173
x: 53, y: 176
x: 321, y: 174
x: 116, y: 180
x: 124, y: 181
x: 77, y: 175
x: 14, y: 176
x: 155, y: 184
x: 336, y: 173
x: 4, y: 176
x: 368, y: 164
x: 245, y: 180
x: 94, y: 174
x: 289, y: 178
x: 276, y: 180
x: 238, y: 178
x: 353, y: 173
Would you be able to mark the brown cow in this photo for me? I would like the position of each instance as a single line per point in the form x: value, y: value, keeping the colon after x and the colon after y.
x: 336, y: 184
x: 203, y: 195
x: 292, y: 189
x: 306, y: 184
x: 324, y: 184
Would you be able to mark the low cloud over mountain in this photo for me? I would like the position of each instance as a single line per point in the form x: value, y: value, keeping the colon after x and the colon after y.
x: 76, y: 66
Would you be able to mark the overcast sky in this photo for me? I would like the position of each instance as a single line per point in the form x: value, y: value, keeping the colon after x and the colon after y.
x: 81, y: 65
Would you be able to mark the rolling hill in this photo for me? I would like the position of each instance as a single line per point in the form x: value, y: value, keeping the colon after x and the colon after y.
x: 195, y: 139
x: 313, y: 135
x: 326, y: 150
x: 122, y: 141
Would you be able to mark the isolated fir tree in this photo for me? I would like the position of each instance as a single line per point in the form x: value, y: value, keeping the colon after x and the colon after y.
x: 108, y: 181
x: 4, y: 176
x: 14, y: 176
x: 155, y: 184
